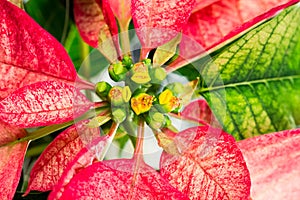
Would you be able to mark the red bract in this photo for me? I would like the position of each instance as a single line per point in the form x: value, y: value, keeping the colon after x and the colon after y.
x: 53, y: 161
x: 212, y: 23
x: 84, y: 158
x: 113, y: 179
x: 11, y: 159
x: 43, y: 103
x: 158, y: 21
x: 198, y: 111
x: 28, y: 54
x: 91, y: 21
x: 121, y: 9
x: 210, y: 166
x: 274, y: 165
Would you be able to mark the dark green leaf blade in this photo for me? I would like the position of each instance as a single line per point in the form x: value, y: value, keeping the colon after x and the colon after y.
x: 253, y: 84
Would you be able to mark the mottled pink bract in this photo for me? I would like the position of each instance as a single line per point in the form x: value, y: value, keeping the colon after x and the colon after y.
x: 112, y: 179
x: 210, y: 166
x: 274, y: 164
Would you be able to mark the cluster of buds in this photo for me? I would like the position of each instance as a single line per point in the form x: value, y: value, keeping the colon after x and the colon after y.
x: 140, y: 96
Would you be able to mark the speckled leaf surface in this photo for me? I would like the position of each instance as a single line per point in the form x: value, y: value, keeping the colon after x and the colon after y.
x: 11, y: 159
x: 43, y: 103
x: 253, y: 84
x: 217, y: 18
x: 54, y: 160
x: 112, y: 179
x: 91, y: 153
x: 158, y: 21
x: 274, y: 164
x: 210, y: 166
x: 28, y: 54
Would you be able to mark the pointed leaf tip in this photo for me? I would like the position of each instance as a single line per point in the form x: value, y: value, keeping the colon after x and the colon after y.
x: 211, y: 166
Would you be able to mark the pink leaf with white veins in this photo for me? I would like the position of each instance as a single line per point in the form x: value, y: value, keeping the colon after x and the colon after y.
x: 274, y: 164
x: 11, y: 159
x: 210, y: 165
x: 28, y: 54
x: 43, y: 103
x: 158, y: 21
x: 54, y: 160
x: 112, y: 179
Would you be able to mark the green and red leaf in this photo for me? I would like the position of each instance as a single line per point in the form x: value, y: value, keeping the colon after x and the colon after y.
x: 274, y: 164
x: 43, y: 103
x: 11, y: 159
x: 210, y: 165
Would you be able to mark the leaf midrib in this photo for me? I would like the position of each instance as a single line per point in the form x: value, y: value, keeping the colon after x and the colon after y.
x: 265, y: 80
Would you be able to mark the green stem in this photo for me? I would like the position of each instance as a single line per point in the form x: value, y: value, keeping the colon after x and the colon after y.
x: 42, y: 132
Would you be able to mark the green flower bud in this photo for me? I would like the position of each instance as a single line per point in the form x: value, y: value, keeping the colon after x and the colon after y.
x: 102, y: 89
x: 115, y: 96
x: 117, y: 71
x: 157, y: 74
x: 176, y: 88
x: 140, y: 73
x: 119, y: 114
x: 127, y: 62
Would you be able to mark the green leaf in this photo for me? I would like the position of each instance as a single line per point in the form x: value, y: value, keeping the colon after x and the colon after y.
x: 253, y: 84
x: 54, y: 20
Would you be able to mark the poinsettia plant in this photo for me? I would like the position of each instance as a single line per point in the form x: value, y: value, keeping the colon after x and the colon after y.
x: 208, y: 88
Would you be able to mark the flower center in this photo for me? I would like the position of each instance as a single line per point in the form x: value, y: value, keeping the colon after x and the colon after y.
x: 143, y: 95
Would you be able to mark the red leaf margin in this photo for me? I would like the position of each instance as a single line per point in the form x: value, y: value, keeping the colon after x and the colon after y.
x: 210, y: 165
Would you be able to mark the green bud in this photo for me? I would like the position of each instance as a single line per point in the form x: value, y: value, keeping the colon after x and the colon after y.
x: 127, y: 62
x: 115, y: 96
x: 126, y: 94
x: 102, y: 89
x: 176, y: 88
x: 157, y: 74
x: 140, y: 73
x: 155, y: 120
x: 117, y: 71
x: 119, y: 114
x: 147, y: 62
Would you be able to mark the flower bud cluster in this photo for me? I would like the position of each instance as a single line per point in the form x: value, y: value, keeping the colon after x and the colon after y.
x: 142, y: 95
